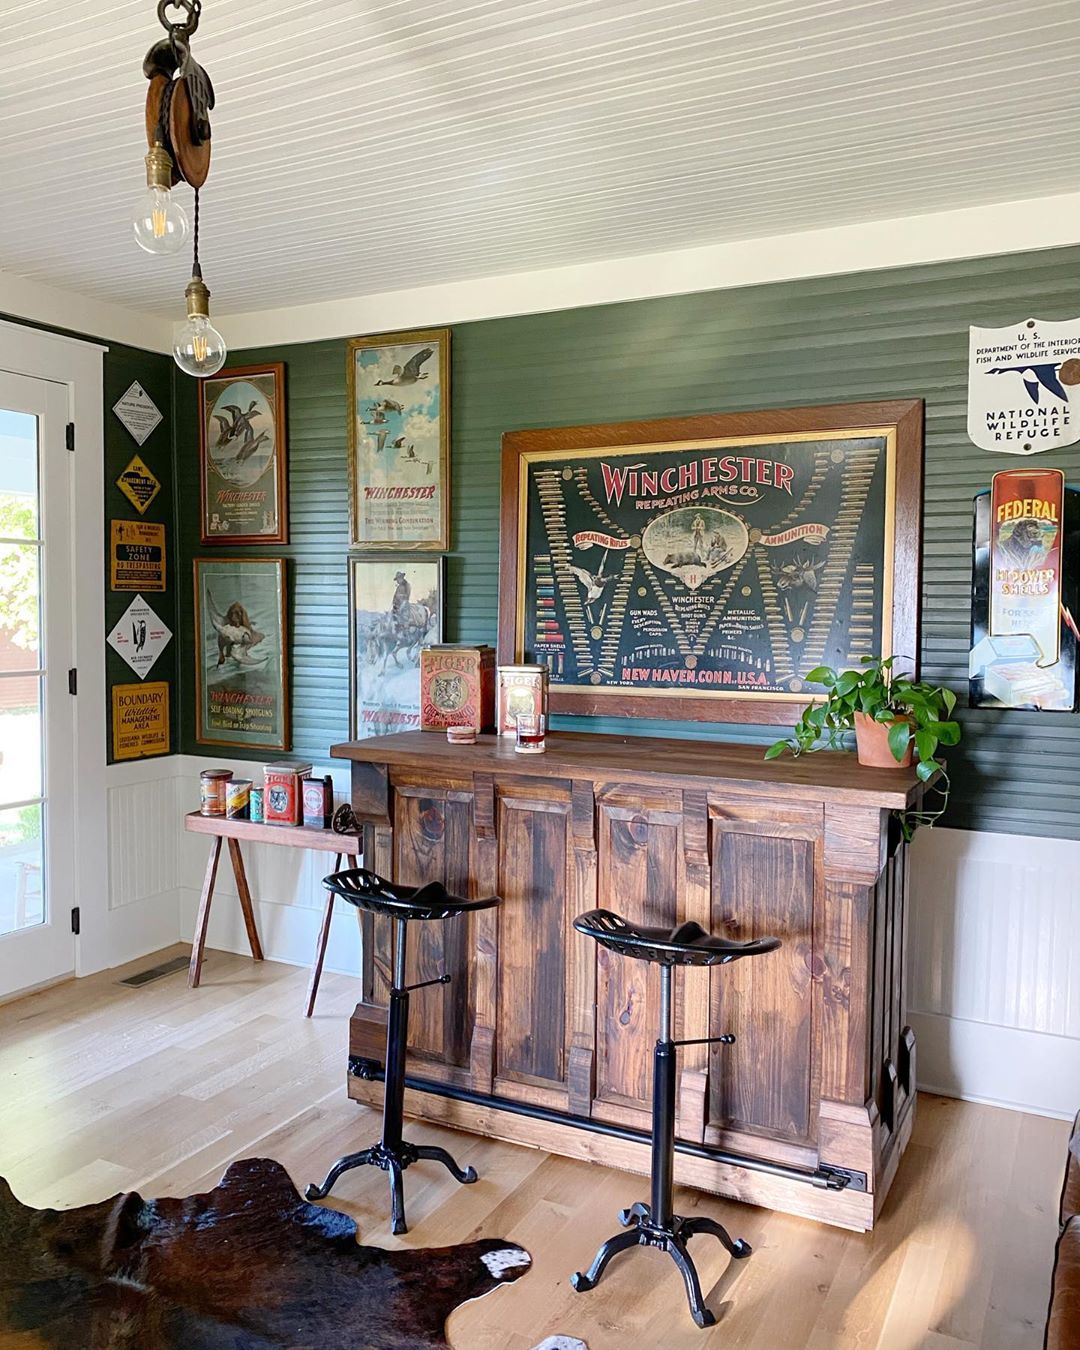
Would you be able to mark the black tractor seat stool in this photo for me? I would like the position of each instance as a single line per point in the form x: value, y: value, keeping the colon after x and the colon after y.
x: 654, y: 1224
x: 367, y: 890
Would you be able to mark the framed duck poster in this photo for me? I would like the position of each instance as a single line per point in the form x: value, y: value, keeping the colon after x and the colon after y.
x: 698, y: 568
x: 399, y: 441
x: 241, y: 657
x: 243, y: 456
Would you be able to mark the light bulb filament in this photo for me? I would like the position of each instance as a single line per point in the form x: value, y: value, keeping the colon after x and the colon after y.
x: 199, y: 347
x: 158, y: 218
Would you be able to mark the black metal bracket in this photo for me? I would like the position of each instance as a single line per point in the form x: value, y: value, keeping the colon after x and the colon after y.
x: 842, y: 1178
x: 370, y: 1070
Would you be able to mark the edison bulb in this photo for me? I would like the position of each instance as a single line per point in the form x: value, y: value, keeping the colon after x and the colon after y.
x: 160, y: 223
x: 199, y: 349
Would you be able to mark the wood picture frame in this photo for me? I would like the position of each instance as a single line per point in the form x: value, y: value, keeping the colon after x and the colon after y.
x: 377, y: 636
x: 399, y: 441
x: 242, y: 653
x: 236, y: 482
x: 840, y: 459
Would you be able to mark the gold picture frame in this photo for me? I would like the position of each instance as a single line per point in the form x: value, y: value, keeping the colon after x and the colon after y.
x: 399, y: 441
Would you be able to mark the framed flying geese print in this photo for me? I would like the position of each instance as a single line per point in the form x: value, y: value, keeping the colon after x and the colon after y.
x: 243, y: 456
x: 399, y: 440
x: 699, y: 568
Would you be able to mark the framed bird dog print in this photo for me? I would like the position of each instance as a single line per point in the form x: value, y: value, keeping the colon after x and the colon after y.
x: 243, y: 458
x: 241, y: 653
x: 698, y: 568
x: 399, y: 440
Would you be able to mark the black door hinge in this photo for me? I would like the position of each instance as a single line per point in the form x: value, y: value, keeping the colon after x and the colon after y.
x: 75, y: 925
x: 73, y: 681
x: 69, y: 436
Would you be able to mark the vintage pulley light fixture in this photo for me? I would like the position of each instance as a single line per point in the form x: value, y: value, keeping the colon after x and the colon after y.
x: 178, y: 105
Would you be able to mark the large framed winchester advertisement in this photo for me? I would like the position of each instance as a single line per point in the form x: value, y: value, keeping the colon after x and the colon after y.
x: 699, y: 567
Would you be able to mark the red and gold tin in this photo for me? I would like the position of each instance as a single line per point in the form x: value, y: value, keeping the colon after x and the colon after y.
x: 520, y: 689
x: 281, y: 798
x: 457, y: 686
x: 212, y: 791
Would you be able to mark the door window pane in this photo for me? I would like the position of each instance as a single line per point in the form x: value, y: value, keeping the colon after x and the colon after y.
x: 20, y: 738
x: 22, y: 892
x: 20, y: 619
x: 18, y: 476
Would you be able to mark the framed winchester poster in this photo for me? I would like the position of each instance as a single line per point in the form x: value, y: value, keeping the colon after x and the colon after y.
x: 399, y: 440
x: 699, y: 567
x: 241, y: 657
x: 243, y: 456
x: 395, y: 608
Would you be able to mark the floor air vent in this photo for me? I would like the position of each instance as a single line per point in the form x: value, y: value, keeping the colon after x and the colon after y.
x: 142, y: 977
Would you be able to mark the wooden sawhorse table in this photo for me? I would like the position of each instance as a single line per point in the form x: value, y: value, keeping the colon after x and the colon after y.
x: 292, y: 836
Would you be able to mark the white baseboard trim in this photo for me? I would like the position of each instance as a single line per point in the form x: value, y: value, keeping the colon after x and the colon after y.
x: 1021, y: 1070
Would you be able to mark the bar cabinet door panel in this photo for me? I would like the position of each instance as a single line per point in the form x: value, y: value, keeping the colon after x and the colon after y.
x: 638, y: 843
x: 531, y: 1045
x: 432, y: 832
x: 766, y: 875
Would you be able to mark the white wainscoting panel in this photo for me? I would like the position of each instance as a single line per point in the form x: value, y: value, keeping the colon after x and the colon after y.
x: 143, y: 902
x: 994, y: 968
x: 142, y: 839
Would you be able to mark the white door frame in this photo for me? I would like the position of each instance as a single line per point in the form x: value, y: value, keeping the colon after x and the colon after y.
x: 78, y: 365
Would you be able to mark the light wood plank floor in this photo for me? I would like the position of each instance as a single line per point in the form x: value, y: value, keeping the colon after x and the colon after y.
x: 104, y: 1088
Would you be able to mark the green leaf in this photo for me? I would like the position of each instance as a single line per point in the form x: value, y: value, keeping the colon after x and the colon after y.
x: 899, y: 738
x: 948, y: 733
x: 776, y: 749
x: 822, y: 675
x: 949, y: 699
x: 926, y: 768
x: 926, y: 744
x: 847, y: 682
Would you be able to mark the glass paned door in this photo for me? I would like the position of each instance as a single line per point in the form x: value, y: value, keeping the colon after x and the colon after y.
x: 36, y: 718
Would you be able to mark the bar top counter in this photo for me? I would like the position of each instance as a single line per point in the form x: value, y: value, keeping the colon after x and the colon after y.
x: 825, y: 775
x: 545, y: 1039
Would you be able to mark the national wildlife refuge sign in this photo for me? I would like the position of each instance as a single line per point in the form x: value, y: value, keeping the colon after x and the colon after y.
x: 715, y: 569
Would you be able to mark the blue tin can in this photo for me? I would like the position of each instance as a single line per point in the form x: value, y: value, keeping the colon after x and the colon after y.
x: 255, y: 804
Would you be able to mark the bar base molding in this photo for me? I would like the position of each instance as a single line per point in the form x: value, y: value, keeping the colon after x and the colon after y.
x: 836, y: 1195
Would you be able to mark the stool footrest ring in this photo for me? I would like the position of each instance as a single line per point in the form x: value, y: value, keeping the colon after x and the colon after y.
x: 727, y: 1039
x: 424, y: 984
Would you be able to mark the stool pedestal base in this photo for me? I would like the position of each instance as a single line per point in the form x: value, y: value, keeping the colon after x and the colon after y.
x: 670, y: 1237
x: 393, y: 1160
x: 393, y: 1153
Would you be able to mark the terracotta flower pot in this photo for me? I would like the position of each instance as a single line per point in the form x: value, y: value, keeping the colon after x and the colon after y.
x: 872, y: 743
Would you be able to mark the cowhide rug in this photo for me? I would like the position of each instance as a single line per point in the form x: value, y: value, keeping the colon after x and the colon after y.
x: 247, y: 1266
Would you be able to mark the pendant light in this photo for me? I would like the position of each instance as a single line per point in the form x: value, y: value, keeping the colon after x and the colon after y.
x: 178, y: 105
x: 161, y: 223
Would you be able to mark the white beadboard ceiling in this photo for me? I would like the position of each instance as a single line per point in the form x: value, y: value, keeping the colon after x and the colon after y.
x: 364, y: 146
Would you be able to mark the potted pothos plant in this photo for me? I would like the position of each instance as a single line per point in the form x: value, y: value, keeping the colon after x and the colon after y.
x: 894, y: 718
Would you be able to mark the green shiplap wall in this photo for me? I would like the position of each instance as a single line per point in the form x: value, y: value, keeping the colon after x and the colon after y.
x: 892, y: 334
x: 154, y: 372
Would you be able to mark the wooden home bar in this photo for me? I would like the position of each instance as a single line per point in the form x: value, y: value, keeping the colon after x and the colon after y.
x: 545, y: 1039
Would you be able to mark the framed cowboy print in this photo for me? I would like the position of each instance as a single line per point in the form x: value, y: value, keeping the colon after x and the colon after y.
x: 395, y: 608
x: 243, y: 456
x: 699, y: 567
x: 241, y: 656
x: 399, y: 440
